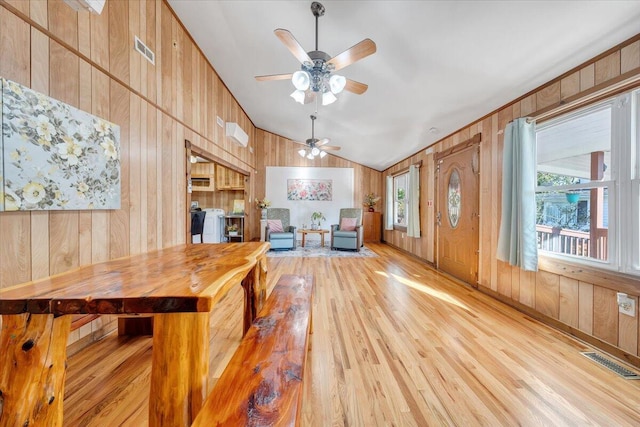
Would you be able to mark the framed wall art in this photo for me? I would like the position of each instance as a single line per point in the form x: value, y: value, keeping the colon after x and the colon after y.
x: 309, y: 189
x: 54, y: 156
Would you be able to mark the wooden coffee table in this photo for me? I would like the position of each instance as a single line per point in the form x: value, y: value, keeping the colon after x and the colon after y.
x: 304, y: 233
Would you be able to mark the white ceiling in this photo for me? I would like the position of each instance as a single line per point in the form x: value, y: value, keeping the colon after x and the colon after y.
x: 439, y: 64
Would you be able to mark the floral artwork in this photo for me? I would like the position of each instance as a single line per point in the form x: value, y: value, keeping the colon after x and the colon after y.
x: 309, y: 189
x: 54, y: 156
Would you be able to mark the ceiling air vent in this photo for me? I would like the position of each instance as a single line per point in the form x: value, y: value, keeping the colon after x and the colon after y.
x: 145, y: 51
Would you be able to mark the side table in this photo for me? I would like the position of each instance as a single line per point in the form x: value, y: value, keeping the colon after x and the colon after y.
x: 304, y: 233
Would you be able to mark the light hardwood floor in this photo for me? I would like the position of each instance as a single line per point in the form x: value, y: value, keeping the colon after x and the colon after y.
x: 395, y: 344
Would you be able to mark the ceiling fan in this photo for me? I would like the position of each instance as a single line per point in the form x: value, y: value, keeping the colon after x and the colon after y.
x: 315, y: 147
x: 316, y: 74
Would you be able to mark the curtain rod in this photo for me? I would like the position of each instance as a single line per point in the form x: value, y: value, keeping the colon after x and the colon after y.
x: 614, y: 89
x: 405, y: 170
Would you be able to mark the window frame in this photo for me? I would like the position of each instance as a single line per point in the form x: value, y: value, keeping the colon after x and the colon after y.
x: 631, y: 187
x: 623, y: 185
x: 397, y: 225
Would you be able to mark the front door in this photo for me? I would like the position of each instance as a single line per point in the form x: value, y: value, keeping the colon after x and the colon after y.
x: 457, y: 213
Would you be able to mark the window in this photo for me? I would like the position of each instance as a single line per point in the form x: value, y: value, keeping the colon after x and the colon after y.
x: 586, y: 199
x: 400, y: 199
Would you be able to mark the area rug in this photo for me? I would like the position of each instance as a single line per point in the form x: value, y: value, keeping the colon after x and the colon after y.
x: 313, y: 249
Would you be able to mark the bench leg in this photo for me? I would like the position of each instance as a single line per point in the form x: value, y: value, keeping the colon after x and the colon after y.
x: 179, y: 368
x: 255, y: 292
x: 33, y: 369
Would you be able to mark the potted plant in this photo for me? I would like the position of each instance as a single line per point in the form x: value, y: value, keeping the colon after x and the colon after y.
x: 370, y: 201
x: 232, y: 229
x: 572, y: 196
x: 316, y: 216
x: 263, y: 205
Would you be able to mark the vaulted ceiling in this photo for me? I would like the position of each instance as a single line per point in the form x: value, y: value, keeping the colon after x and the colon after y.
x: 439, y: 65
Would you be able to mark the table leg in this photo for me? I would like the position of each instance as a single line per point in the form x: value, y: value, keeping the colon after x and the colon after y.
x: 322, y: 240
x: 33, y: 369
x: 179, y: 368
x: 255, y: 292
x: 303, y: 237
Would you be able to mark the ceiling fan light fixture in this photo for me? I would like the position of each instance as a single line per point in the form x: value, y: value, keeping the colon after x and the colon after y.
x: 322, y: 154
x: 302, y: 152
x: 301, y: 80
x: 315, y: 151
x: 310, y: 156
x: 328, y: 98
x: 337, y: 83
x: 298, y: 96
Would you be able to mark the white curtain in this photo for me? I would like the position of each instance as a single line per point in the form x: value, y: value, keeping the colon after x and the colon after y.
x: 388, y: 218
x: 413, y: 224
x: 517, y: 243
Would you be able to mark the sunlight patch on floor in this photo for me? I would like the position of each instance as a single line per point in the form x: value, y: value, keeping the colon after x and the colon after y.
x: 424, y: 288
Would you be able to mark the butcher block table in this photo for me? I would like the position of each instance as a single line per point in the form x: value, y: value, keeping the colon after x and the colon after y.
x: 179, y: 285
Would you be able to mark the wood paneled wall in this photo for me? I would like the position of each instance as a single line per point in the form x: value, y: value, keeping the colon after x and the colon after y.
x: 581, y: 301
x: 274, y: 150
x: 89, y: 62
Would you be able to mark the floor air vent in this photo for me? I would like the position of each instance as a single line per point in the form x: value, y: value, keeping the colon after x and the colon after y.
x: 611, y: 365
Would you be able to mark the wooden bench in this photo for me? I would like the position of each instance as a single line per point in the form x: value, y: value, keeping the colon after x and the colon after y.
x: 262, y: 384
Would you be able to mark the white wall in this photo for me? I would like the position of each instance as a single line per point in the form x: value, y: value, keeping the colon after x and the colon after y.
x: 300, y: 210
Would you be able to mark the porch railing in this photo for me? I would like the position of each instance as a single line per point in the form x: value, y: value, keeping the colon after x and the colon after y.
x: 571, y: 242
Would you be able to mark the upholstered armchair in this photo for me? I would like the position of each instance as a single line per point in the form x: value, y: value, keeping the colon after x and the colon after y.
x: 348, y: 234
x: 278, y: 232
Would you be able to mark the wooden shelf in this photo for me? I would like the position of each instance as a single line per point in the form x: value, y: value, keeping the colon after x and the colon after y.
x: 203, y: 183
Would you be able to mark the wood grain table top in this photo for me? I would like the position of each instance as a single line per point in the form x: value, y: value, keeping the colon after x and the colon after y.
x: 183, y: 278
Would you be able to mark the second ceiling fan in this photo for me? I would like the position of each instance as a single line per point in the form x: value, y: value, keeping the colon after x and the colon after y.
x: 316, y: 76
x: 315, y: 147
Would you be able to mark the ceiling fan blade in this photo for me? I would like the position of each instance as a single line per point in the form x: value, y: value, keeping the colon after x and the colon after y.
x: 322, y: 142
x: 292, y: 44
x: 355, y: 53
x: 330, y: 147
x: 356, y: 87
x: 274, y: 77
x: 301, y: 143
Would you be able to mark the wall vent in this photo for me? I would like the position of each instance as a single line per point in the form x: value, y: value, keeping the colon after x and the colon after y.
x: 144, y: 50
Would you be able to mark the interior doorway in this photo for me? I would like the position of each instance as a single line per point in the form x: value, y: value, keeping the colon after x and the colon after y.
x: 457, y: 211
x: 219, y: 189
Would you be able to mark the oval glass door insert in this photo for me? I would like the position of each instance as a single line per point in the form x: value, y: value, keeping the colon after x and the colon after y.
x: 454, y: 199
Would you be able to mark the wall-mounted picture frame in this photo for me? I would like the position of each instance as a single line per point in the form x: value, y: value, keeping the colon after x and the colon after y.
x: 55, y: 156
x: 310, y: 189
